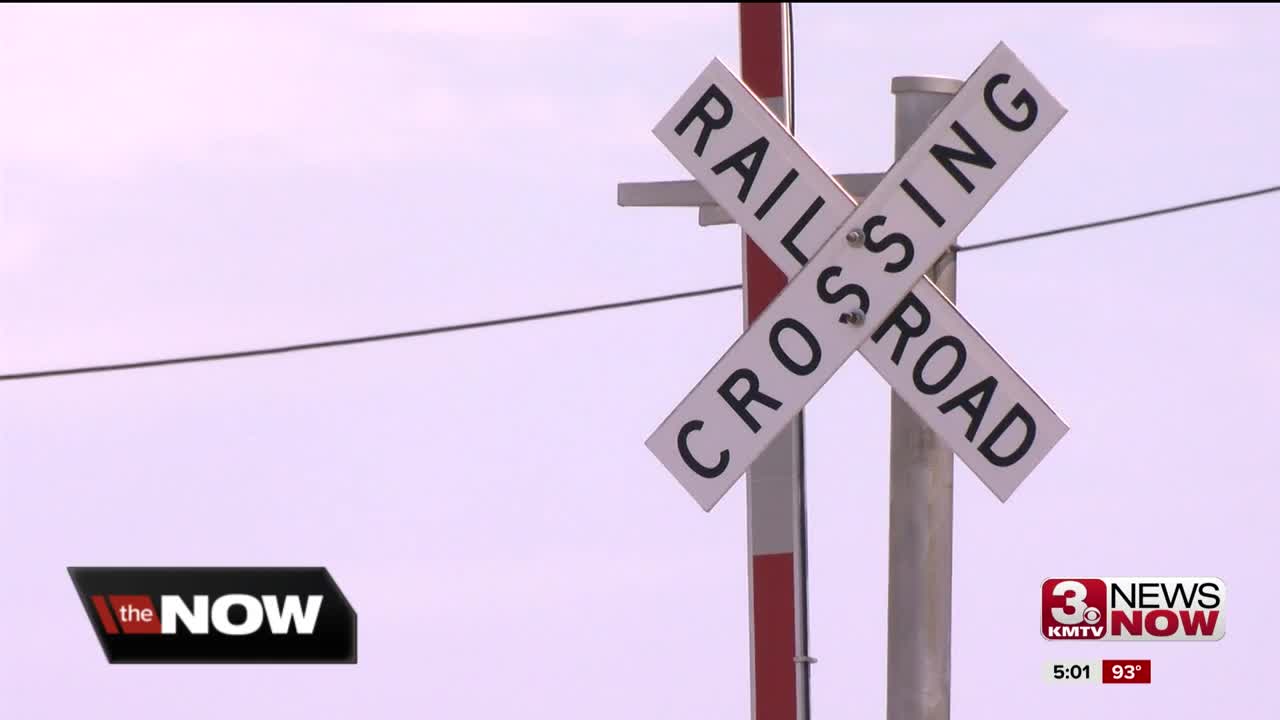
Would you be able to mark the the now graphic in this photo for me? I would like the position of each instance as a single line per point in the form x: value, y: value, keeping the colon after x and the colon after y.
x: 218, y: 615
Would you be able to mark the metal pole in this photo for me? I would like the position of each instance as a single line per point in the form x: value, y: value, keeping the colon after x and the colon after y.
x: 775, y: 480
x: 920, y: 492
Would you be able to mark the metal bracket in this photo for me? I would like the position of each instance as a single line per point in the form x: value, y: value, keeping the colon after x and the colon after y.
x: 690, y: 193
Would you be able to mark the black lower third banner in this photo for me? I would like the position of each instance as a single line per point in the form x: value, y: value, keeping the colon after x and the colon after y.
x: 218, y: 615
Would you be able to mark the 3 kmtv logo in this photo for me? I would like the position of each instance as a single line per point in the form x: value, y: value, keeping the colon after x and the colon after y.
x: 1132, y: 608
x: 246, y: 615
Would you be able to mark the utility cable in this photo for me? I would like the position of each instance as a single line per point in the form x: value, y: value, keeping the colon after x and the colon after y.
x: 282, y: 349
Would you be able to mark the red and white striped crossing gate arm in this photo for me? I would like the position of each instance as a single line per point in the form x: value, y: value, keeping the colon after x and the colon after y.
x: 775, y: 481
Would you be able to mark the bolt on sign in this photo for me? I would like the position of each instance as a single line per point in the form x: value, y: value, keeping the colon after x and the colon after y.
x: 857, y: 275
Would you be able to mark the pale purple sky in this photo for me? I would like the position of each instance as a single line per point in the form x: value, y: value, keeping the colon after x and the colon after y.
x: 194, y: 179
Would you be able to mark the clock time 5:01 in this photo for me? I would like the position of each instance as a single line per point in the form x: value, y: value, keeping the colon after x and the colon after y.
x: 1074, y: 671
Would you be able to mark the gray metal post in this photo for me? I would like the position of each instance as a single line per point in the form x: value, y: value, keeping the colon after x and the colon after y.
x: 920, y: 493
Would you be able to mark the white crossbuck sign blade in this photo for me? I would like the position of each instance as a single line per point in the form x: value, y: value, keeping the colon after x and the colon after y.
x: 929, y: 308
x: 844, y: 293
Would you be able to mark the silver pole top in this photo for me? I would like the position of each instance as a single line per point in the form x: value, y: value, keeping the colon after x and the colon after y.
x: 925, y: 84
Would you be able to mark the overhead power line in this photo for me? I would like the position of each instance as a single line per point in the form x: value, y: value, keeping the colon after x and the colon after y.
x: 1118, y: 220
x: 282, y: 349
x: 438, y: 330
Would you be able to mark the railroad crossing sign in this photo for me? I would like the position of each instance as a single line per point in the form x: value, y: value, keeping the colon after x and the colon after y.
x: 856, y: 274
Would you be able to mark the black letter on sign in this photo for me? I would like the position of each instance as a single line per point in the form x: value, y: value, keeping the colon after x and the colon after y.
x: 1017, y: 413
x: 922, y: 203
x: 864, y: 301
x: 983, y: 391
x: 789, y: 240
x: 906, y: 331
x: 753, y: 394
x: 775, y: 344
x: 682, y: 442
x: 709, y: 123
x: 878, y: 246
x: 768, y: 203
x: 1022, y: 100
x: 947, y: 157
x: 950, y: 341
x: 738, y: 161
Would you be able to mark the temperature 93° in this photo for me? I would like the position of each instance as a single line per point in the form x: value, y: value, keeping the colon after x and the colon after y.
x: 1105, y: 672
